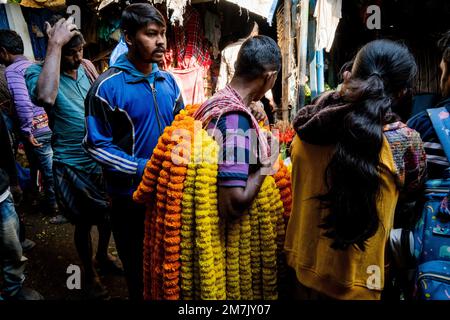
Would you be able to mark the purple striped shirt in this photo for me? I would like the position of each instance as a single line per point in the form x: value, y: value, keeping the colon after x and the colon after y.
x: 32, y: 118
x: 235, y: 149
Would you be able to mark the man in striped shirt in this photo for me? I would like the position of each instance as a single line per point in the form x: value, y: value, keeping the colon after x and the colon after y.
x: 33, y: 120
x: 437, y: 162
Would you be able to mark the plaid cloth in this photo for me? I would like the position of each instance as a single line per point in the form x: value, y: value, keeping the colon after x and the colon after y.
x: 190, y: 44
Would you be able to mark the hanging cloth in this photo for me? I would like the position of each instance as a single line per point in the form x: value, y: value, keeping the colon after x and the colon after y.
x: 43, y: 3
x: 327, y: 14
x: 191, y: 83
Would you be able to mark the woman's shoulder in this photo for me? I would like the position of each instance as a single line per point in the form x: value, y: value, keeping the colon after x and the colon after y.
x: 401, y: 130
x: 403, y: 139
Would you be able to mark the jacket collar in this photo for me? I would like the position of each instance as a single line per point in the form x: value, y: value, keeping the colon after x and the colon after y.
x: 132, y: 75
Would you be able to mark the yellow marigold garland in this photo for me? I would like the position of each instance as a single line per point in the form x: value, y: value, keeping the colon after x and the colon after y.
x: 188, y: 235
x: 245, y: 270
x: 232, y: 256
x: 268, y: 244
x: 255, y: 253
x: 203, y: 217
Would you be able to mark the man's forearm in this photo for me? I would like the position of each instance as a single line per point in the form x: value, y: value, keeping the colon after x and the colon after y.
x: 236, y: 200
x: 48, y: 82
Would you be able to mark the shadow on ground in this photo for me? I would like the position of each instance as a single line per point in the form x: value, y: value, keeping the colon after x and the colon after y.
x: 54, y: 253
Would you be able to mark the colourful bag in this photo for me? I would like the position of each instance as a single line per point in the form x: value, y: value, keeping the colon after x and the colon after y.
x: 432, y: 232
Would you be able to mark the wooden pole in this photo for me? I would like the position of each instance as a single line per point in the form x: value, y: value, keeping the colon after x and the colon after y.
x: 286, y: 60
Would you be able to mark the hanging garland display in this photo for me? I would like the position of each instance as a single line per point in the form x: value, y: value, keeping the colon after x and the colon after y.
x: 189, y: 251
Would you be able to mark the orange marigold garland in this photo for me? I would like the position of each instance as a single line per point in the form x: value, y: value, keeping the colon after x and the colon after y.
x: 283, y: 182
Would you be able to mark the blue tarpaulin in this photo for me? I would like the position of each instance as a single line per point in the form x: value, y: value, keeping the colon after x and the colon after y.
x: 3, y: 18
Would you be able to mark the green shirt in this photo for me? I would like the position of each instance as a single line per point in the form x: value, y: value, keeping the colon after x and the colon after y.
x: 67, y: 117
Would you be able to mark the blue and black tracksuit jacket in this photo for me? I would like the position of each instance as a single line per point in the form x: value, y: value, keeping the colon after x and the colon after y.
x: 126, y: 112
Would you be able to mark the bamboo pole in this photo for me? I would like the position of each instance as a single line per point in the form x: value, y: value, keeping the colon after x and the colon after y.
x: 286, y: 60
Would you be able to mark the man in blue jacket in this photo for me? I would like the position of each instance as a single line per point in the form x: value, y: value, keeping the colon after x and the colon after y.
x: 127, y: 109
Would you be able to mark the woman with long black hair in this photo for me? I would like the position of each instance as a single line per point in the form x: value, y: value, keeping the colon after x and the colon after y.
x: 351, y: 160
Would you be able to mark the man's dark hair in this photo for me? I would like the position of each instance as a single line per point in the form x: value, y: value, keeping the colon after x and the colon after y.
x: 444, y: 45
x: 256, y: 56
x: 11, y: 41
x: 138, y: 15
x: 76, y: 40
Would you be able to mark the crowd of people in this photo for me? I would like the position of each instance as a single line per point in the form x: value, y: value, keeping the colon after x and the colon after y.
x: 357, y: 168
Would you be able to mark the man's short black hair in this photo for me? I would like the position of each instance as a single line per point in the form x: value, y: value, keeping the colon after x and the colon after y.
x: 256, y: 56
x: 138, y: 15
x: 11, y: 41
x: 444, y: 45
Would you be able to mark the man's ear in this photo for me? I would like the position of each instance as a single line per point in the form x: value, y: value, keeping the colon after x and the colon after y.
x: 269, y: 76
x: 128, y: 39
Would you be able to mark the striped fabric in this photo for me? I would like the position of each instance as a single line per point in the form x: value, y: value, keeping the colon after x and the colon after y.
x: 32, y: 118
x: 228, y: 104
x: 81, y: 194
x: 235, y: 149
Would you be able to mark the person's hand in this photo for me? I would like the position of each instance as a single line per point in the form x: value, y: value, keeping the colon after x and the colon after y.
x: 273, y: 105
x: 257, y: 110
x: 61, y: 33
x: 269, y: 165
x: 17, y: 194
x: 32, y: 140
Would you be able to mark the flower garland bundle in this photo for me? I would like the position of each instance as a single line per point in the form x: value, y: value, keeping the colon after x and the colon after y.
x: 172, y: 219
x: 232, y: 259
x: 186, y: 253
x: 245, y: 271
x: 188, y: 235
x: 283, y: 182
x: 280, y: 233
x: 163, y: 225
x: 217, y: 230
x: 203, y: 234
x: 255, y: 254
x: 267, y: 236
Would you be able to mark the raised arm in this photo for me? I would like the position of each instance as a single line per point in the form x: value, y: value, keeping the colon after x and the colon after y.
x: 48, y: 82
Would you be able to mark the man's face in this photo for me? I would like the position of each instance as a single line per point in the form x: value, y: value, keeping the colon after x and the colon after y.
x: 149, y: 43
x: 445, y: 79
x: 71, y: 58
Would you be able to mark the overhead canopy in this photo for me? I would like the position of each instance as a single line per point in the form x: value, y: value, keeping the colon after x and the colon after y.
x: 264, y: 8
x: 43, y: 3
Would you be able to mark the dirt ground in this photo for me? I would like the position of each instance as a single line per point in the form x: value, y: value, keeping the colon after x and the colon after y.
x: 54, y: 252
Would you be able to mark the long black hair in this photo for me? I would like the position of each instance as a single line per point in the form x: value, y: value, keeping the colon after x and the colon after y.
x: 382, y: 69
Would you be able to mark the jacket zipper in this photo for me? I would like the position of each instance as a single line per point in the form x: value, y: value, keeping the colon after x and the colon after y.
x: 156, y: 106
x: 433, y: 275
